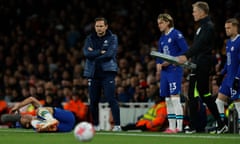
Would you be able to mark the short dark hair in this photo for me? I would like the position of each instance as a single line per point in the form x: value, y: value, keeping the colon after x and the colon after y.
x: 233, y: 21
x: 202, y: 5
x: 101, y: 19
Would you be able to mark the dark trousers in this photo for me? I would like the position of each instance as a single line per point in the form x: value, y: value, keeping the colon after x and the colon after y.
x: 103, y: 85
x: 199, y: 87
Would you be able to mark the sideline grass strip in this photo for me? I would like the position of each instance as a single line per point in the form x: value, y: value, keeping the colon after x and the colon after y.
x: 20, y: 136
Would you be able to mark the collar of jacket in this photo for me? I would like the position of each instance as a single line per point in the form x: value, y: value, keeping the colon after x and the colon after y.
x: 204, y: 20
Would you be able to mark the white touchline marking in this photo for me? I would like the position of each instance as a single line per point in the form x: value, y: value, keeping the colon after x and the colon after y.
x: 210, y: 136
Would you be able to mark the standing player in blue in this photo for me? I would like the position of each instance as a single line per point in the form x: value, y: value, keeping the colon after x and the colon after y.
x: 47, y: 119
x: 230, y: 85
x: 171, y: 43
x: 100, y: 50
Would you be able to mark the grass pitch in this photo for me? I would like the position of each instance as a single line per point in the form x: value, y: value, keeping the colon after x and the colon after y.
x: 22, y: 136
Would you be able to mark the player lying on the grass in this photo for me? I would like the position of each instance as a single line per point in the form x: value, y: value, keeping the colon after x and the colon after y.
x: 48, y: 119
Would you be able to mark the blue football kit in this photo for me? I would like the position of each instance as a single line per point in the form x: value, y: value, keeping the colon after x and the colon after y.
x: 66, y: 119
x: 174, y: 44
x: 231, y: 68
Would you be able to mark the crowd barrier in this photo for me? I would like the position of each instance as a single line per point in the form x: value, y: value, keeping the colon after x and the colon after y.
x: 129, y: 113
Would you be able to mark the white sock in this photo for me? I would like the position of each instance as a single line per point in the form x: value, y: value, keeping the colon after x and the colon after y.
x: 45, y: 114
x: 220, y: 106
x: 178, y: 111
x: 34, y: 123
x: 171, y: 114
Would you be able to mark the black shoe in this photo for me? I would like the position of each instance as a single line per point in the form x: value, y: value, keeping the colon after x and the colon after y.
x: 129, y: 127
x: 223, y: 129
x: 189, y: 130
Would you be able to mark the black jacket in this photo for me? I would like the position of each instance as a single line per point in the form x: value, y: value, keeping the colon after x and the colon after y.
x: 201, y: 50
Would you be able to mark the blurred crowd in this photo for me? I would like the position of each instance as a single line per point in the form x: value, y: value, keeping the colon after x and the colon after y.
x: 41, y: 46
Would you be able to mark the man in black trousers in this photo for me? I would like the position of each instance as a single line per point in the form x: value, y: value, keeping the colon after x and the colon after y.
x: 201, y: 54
x: 100, y: 50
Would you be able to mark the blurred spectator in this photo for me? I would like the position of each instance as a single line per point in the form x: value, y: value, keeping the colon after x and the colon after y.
x: 3, y: 106
x: 122, y: 95
x: 78, y: 107
x: 131, y: 89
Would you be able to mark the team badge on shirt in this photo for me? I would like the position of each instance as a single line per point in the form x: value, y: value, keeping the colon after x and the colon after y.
x: 169, y: 40
x: 180, y: 35
x: 105, y: 43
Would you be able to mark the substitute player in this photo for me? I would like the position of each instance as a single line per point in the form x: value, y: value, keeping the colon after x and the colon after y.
x: 230, y: 85
x: 171, y: 43
x: 48, y: 119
